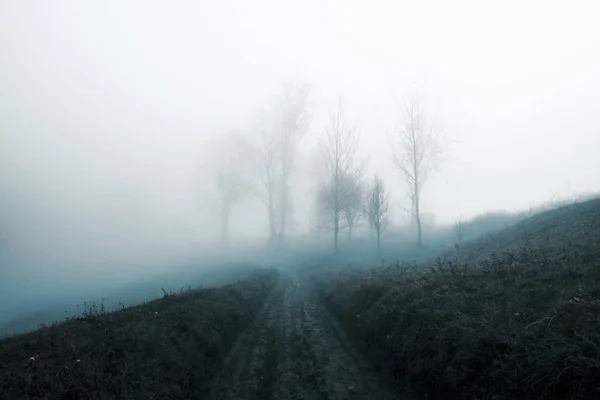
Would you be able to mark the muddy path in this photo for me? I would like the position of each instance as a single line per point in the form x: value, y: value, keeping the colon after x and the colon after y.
x: 296, y: 350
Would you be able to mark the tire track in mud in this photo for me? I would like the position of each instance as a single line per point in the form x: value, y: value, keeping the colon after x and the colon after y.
x: 296, y: 350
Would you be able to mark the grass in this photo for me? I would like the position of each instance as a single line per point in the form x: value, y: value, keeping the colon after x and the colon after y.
x: 513, y: 316
x: 168, y: 348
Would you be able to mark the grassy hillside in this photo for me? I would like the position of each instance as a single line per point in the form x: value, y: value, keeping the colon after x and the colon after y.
x: 168, y: 348
x: 515, y: 315
x: 574, y: 224
x: 27, y: 300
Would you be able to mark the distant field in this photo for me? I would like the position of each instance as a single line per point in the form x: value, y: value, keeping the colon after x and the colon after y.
x: 513, y: 315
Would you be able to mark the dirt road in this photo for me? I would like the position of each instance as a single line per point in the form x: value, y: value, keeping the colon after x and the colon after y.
x: 297, y: 351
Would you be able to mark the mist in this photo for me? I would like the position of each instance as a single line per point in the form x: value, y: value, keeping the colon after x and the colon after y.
x: 109, y: 113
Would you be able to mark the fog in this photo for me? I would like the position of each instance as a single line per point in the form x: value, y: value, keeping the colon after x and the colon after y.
x: 109, y: 111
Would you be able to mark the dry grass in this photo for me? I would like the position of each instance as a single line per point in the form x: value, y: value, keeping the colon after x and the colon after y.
x: 519, y: 324
x: 169, y: 348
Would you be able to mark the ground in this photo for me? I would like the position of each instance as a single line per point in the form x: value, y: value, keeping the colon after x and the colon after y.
x: 269, y: 337
x: 513, y: 315
x: 296, y: 350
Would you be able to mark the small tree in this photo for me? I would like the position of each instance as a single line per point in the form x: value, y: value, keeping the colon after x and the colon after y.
x: 377, y: 209
x: 234, y: 175
x: 459, y: 231
x: 353, y: 201
x: 416, y: 152
x: 281, y: 131
x: 338, y: 199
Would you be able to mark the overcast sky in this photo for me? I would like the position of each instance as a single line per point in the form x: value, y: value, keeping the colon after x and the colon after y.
x: 106, y: 106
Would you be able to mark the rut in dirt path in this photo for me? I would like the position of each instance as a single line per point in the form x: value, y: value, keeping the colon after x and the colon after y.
x: 295, y: 350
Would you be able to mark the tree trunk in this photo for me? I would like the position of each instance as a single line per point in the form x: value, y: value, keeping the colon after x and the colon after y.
x: 225, y: 213
x: 283, y: 212
x: 379, y: 242
x: 336, y: 211
x: 272, y: 222
x: 350, y: 232
x: 419, y: 232
x: 336, y: 233
x: 417, y: 192
x: 417, y: 199
x: 418, y: 218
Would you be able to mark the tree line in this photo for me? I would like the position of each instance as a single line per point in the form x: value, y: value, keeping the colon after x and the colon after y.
x: 262, y: 168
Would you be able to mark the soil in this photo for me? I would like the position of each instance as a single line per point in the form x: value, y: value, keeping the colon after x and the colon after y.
x: 296, y: 350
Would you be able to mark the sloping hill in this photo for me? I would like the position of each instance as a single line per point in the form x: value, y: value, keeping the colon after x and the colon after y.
x: 21, y: 311
x: 574, y: 224
x: 170, y: 348
x: 520, y: 323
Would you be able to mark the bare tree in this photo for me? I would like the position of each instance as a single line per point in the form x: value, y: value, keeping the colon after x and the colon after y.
x: 416, y: 152
x: 266, y: 155
x: 337, y: 194
x: 293, y: 123
x: 281, y: 134
x: 353, y: 201
x: 459, y: 231
x: 377, y: 209
x: 233, y: 175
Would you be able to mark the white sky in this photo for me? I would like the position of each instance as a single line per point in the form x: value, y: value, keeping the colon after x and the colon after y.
x: 105, y: 106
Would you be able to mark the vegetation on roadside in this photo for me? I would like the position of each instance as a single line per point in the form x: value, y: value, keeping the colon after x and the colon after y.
x: 168, y: 348
x: 516, y: 315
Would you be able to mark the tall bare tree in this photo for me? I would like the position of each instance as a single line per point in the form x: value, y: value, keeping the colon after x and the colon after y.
x: 266, y: 155
x: 416, y: 152
x: 342, y: 175
x: 294, y: 117
x: 377, y: 209
x: 282, y: 131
